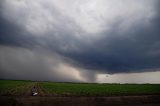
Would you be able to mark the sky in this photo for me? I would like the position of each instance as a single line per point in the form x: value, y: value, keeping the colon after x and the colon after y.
x: 104, y: 41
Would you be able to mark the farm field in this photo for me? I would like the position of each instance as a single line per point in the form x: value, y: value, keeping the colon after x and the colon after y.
x: 14, y: 92
x: 77, y: 89
x: 15, y: 87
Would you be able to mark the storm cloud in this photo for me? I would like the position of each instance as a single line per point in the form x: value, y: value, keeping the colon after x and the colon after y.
x: 75, y: 40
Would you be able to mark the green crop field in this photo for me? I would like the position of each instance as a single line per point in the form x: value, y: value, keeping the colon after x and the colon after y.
x: 15, y: 87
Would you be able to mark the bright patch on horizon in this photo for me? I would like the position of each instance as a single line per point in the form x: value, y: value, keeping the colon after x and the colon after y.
x: 145, y: 77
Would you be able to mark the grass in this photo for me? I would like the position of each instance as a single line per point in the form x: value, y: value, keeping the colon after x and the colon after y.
x: 15, y: 87
x: 100, y: 89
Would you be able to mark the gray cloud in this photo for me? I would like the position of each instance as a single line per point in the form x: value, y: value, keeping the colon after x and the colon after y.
x: 135, y: 50
x: 81, y: 37
x: 21, y: 63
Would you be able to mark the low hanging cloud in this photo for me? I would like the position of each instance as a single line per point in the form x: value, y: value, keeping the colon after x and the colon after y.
x: 21, y: 63
x: 74, y: 40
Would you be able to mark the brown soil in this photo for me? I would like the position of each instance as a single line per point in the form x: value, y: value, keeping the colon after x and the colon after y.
x: 147, y: 100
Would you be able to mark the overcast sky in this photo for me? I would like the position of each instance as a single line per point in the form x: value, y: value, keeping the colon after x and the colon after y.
x: 80, y: 40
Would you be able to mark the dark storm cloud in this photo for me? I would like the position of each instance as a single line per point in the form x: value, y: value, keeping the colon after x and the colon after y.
x: 14, y: 35
x: 119, y: 54
x: 136, y: 50
x: 48, y: 34
x: 21, y: 63
x: 24, y: 56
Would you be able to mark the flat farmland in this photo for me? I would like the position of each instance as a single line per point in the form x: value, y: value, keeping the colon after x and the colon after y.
x: 88, y: 89
x: 15, y: 87
x: 83, y: 94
